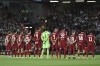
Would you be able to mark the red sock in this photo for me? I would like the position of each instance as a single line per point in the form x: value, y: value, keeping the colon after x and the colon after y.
x: 39, y: 53
x: 25, y: 54
x: 57, y: 53
x: 69, y: 52
x: 64, y: 53
x: 18, y: 54
x: 93, y: 54
x: 15, y: 53
x: 8, y: 53
x: 29, y: 53
x: 34, y: 53
x: 73, y: 52
x: 52, y: 52
x: 22, y: 54
x: 60, y: 53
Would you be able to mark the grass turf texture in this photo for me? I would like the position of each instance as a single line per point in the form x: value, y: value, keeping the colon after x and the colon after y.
x: 5, y: 61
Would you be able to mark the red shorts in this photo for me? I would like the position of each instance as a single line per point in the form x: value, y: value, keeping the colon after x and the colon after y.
x: 14, y: 46
x: 28, y: 47
x: 64, y: 46
x: 8, y: 47
x: 90, y: 47
x: 81, y: 47
x: 21, y: 46
x: 72, y: 47
x: 38, y: 46
x: 55, y: 46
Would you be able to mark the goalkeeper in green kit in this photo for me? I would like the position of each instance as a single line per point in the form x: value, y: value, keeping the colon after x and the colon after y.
x: 46, y: 43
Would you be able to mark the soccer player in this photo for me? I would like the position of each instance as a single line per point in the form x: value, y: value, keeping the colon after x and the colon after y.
x: 38, y: 42
x: 20, y: 44
x: 14, y: 44
x: 63, y: 42
x: 72, y: 44
x: 8, y: 43
x: 46, y: 43
x: 28, y: 45
x: 91, y: 44
x: 54, y: 41
x: 81, y: 43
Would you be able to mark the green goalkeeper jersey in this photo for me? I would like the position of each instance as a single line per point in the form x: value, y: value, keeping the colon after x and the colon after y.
x: 45, y: 39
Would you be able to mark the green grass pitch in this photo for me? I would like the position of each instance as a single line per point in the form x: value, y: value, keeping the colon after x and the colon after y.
x: 5, y: 61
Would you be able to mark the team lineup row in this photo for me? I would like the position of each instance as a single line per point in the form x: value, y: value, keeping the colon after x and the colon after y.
x: 58, y: 40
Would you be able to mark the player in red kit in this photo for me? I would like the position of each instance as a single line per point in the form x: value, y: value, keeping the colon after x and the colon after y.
x: 20, y: 44
x: 72, y: 44
x: 63, y: 42
x: 14, y: 44
x: 54, y: 41
x: 90, y: 47
x: 28, y: 45
x: 8, y: 43
x: 37, y: 40
x: 81, y: 43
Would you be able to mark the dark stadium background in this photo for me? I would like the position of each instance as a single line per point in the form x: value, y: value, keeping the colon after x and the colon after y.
x: 21, y: 14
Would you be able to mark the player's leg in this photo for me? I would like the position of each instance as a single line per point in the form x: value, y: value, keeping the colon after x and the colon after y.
x: 74, y: 49
x: 35, y: 50
x: 47, y: 52
x: 29, y: 50
x: 65, y: 49
x: 57, y: 50
x: 43, y: 49
x: 60, y: 50
x: 39, y: 51
x: 83, y: 49
x: 87, y: 51
x: 93, y: 50
x: 26, y: 50
x: 69, y: 51
x: 52, y: 50
x: 79, y: 48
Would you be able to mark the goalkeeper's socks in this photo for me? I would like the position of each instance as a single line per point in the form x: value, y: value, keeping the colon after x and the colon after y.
x: 42, y: 52
x: 47, y: 53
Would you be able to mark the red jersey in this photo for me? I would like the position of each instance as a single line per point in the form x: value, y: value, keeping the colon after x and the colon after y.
x: 20, y: 39
x: 72, y: 39
x: 90, y: 39
x: 28, y: 38
x: 14, y: 38
x: 81, y: 37
x: 54, y: 37
x: 63, y: 37
x: 8, y: 39
x: 37, y: 37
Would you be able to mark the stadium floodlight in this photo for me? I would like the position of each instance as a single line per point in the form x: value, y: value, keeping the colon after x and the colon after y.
x: 66, y: 2
x: 79, y: 0
x: 30, y: 27
x: 26, y: 27
x: 91, y: 1
x: 54, y: 1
